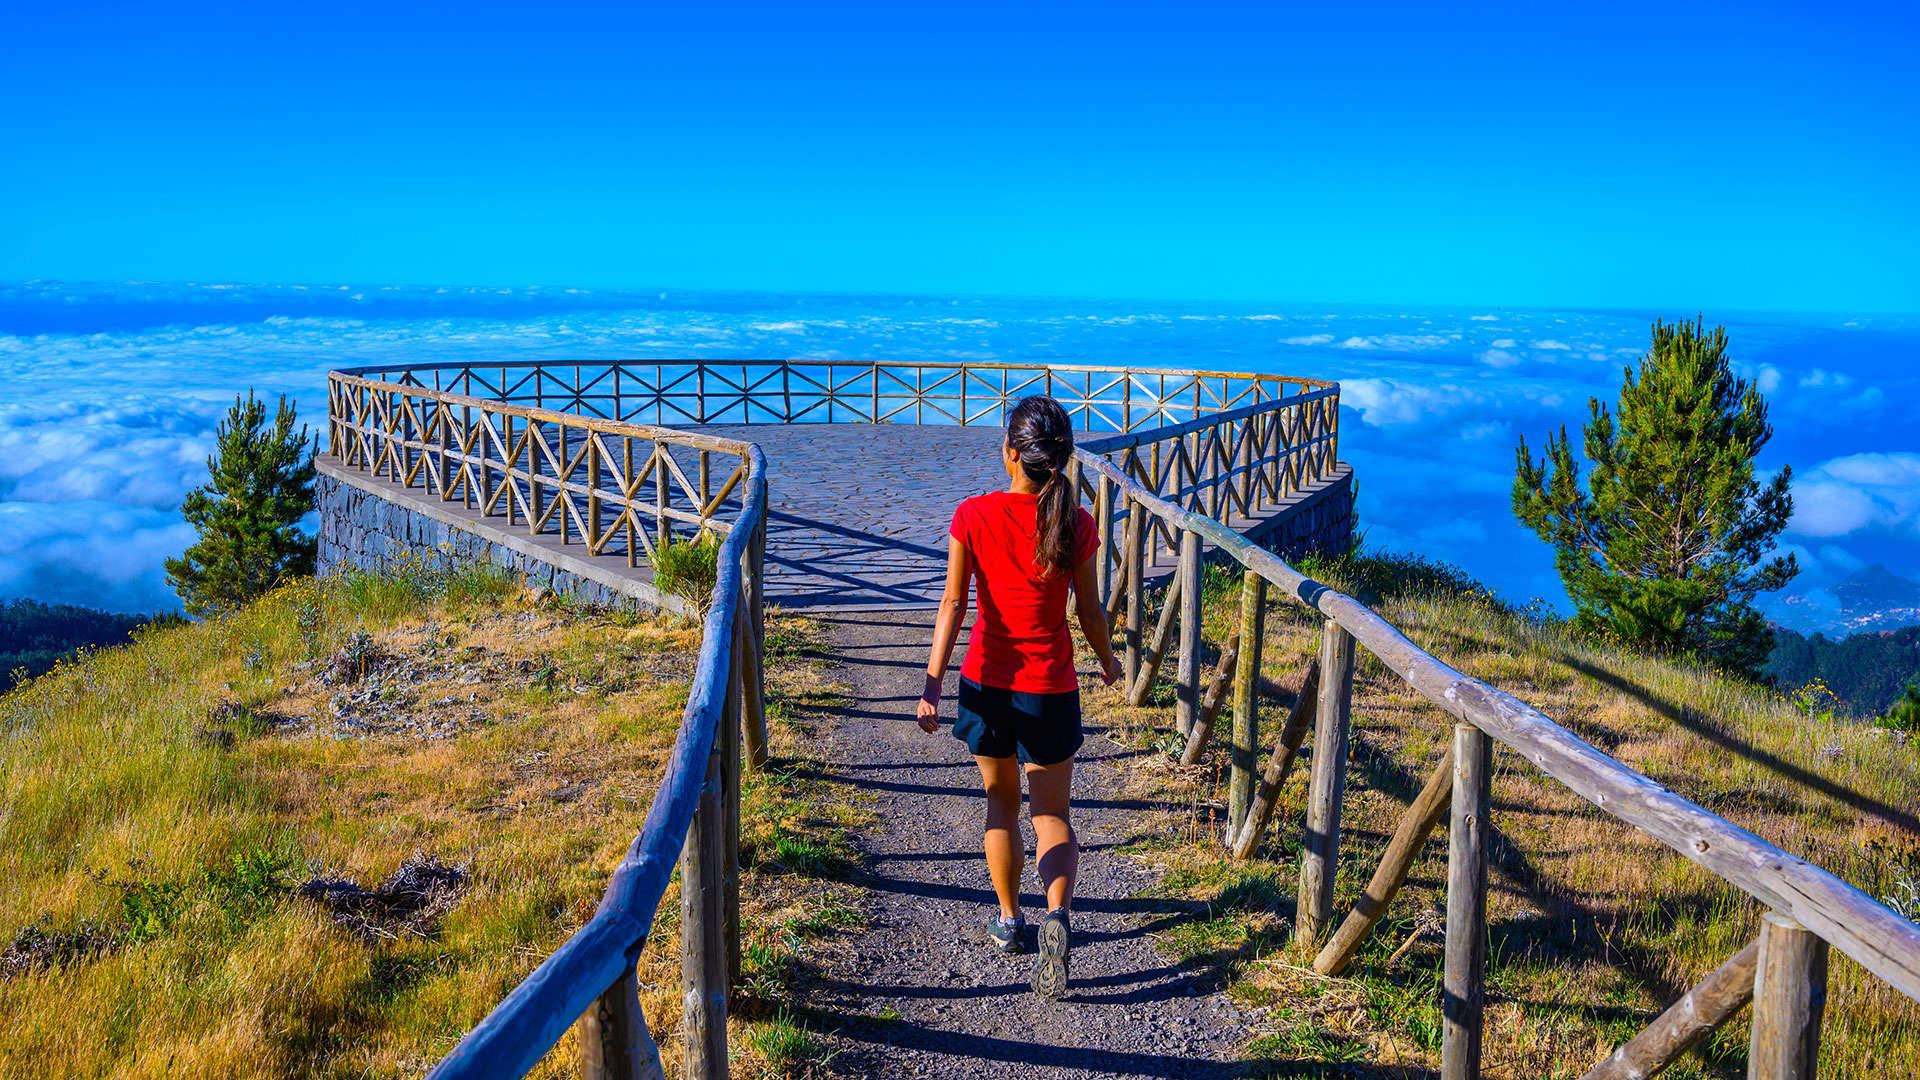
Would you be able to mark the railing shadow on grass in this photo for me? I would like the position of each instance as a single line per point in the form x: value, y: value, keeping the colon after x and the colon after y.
x: 1784, y: 769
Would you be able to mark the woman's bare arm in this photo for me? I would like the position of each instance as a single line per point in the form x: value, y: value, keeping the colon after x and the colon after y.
x: 1093, y: 619
x: 946, y: 630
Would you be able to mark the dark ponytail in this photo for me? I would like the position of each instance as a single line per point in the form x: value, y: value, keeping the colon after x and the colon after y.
x: 1039, y: 431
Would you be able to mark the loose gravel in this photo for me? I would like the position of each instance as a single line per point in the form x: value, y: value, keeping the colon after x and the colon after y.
x: 921, y: 993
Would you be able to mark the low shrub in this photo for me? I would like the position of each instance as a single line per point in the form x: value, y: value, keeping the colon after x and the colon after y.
x: 689, y: 569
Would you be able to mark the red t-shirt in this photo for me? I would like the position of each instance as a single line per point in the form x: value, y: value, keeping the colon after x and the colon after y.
x: 1020, y: 640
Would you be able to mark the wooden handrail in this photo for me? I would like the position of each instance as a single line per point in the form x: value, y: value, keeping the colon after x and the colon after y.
x: 1880, y: 939
x: 524, y: 1026
x: 941, y: 365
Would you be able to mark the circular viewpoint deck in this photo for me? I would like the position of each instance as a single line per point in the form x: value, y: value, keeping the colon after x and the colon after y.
x: 572, y: 474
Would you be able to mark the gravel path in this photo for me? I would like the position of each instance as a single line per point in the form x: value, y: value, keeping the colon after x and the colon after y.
x: 964, y: 1010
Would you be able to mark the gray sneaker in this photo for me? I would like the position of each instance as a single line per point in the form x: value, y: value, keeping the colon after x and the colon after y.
x: 1006, y: 934
x: 1050, y: 967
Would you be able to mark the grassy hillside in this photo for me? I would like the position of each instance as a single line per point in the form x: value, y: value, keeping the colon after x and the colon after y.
x: 1594, y: 927
x: 326, y: 835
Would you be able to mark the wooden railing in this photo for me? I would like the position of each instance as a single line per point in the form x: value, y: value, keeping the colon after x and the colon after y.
x: 1783, y: 972
x: 576, y: 449
x: 613, y: 486
x: 699, y: 391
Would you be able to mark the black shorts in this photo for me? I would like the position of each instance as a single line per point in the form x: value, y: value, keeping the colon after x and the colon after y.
x: 1042, y: 729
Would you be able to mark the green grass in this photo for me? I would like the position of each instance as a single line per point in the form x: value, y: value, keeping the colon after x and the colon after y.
x: 153, y: 866
x: 787, y: 1046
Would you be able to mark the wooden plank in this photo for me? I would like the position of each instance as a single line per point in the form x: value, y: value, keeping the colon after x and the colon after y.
x: 1223, y: 680
x: 1789, y: 1000
x: 1463, y: 980
x: 1396, y: 862
x: 1136, y: 586
x: 1700, y: 1011
x: 1881, y: 940
x: 1327, y: 783
x: 1186, y: 691
x: 1157, y: 646
x: 1244, y: 747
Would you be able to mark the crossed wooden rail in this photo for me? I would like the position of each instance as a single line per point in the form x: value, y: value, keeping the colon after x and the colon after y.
x: 709, y: 391
x: 1783, y: 972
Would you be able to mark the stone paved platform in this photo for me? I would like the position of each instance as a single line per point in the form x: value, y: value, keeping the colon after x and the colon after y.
x: 857, y: 514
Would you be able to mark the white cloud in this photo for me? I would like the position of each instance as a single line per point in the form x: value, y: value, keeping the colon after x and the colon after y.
x: 1856, y: 492
x: 1308, y: 339
x: 1499, y: 358
x: 1550, y: 344
x: 1821, y: 377
x: 1504, y: 343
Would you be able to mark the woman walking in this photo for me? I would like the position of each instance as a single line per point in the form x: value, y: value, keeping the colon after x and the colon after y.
x: 1019, y: 701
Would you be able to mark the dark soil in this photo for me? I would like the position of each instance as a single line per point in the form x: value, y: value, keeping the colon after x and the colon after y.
x: 962, y: 1009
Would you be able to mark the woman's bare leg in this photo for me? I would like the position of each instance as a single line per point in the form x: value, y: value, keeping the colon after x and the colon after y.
x: 1006, y: 852
x: 1049, y: 787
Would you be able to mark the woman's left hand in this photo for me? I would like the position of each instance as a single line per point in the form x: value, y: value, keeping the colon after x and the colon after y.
x: 929, y: 708
x: 1111, y: 670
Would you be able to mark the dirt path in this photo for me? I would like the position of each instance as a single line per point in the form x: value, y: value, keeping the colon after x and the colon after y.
x: 964, y: 1010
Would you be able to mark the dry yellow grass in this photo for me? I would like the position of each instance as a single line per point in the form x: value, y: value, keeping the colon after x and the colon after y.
x: 539, y: 734
x: 1594, y: 926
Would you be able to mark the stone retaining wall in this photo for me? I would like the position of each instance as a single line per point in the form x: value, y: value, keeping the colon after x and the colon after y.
x: 371, y: 525
x: 1315, y: 522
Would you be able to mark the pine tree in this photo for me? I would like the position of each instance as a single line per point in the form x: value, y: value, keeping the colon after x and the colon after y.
x: 1904, y: 714
x: 1668, y: 542
x: 260, y: 485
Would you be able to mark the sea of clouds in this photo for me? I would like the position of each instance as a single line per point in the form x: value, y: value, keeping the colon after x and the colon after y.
x: 112, y: 394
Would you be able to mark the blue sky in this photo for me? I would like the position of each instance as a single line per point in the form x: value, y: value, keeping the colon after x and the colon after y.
x: 1670, y: 156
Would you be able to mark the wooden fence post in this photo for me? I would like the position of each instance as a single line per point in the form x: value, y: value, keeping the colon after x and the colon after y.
x: 614, y: 1044
x: 1156, y: 651
x: 662, y: 524
x: 1292, y: 733
x: 593, y: 493
x: 753, y: 616
x: 1117, y: 594
x: 1326, y: 788
x: 1244, y: 748
x: 703, y: 950
x: 1789, y: 1000
x: 1187, y: 689
x: 1136, y: 572
x: 1464, y: 978
x: 731, y: 718
x: 1103, y: 531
